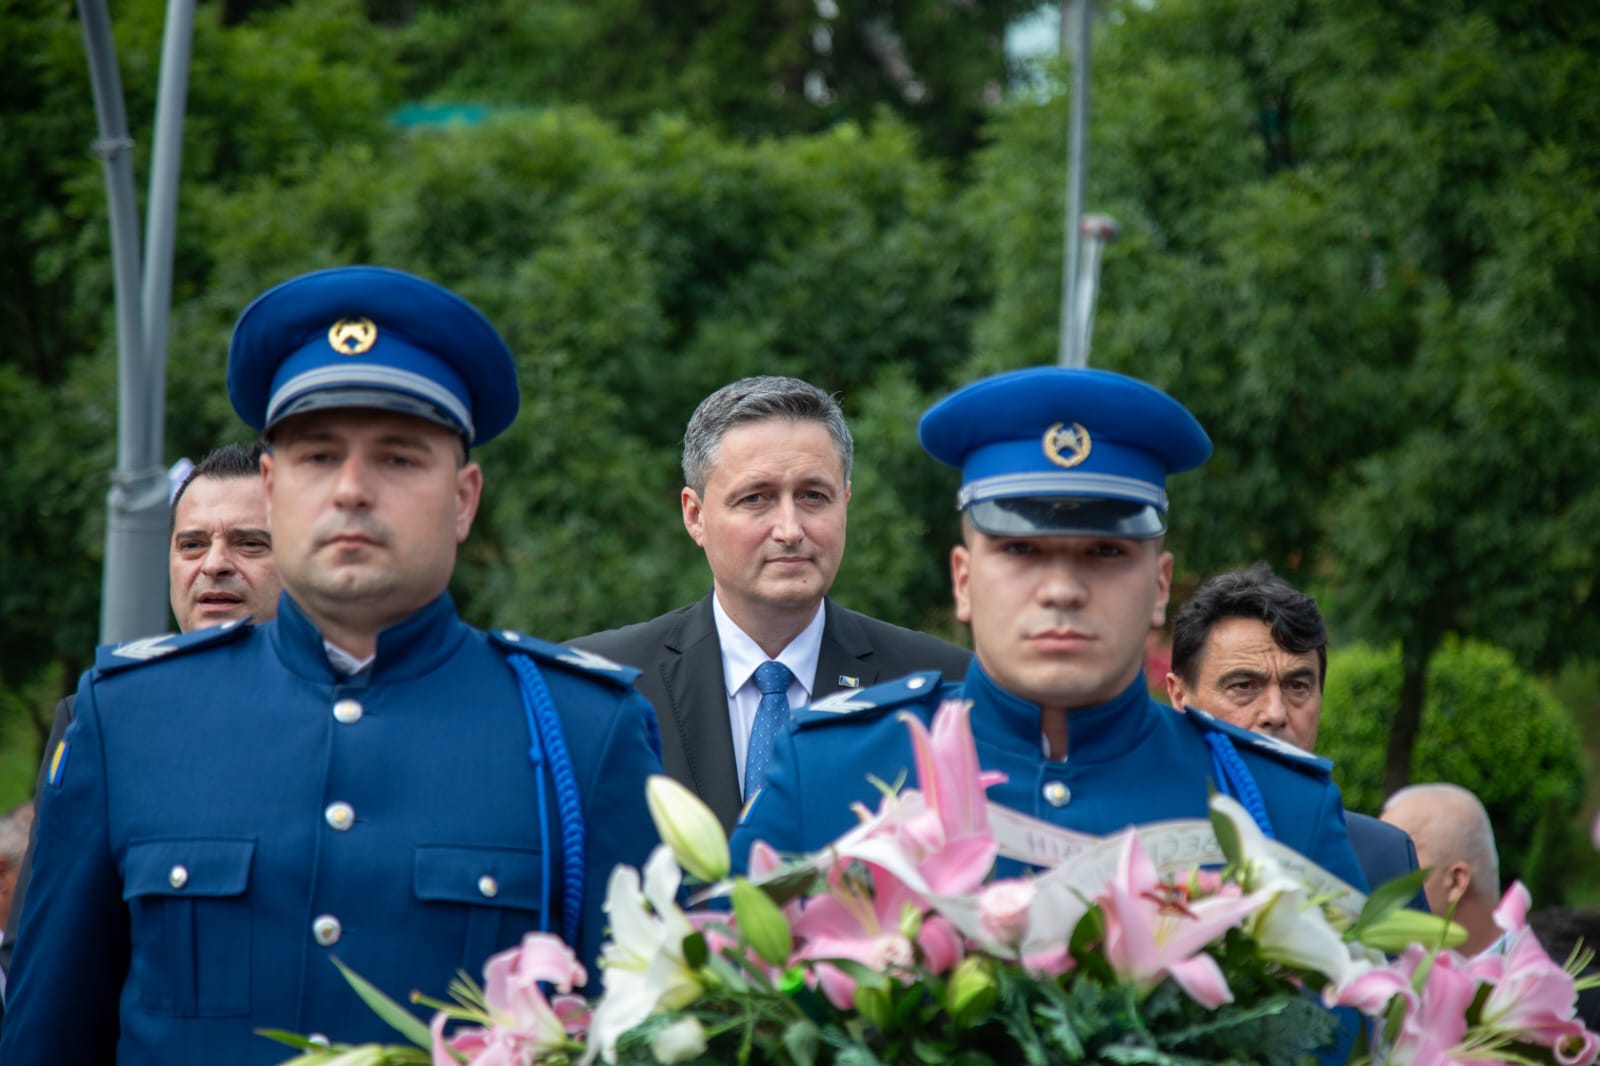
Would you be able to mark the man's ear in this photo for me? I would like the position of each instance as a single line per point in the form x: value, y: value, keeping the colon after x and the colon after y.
x: 693, y: 515
x: 1177, y: 695
x: 1457, y: 881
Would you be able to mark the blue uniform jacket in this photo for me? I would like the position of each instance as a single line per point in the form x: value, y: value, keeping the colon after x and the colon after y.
x: 1130, y: 761
x: 233, y: 815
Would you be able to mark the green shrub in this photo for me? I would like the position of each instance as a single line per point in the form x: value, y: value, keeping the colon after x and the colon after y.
x: 1488, y: 726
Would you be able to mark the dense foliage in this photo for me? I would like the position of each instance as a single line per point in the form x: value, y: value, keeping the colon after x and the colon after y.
x: 1492, y: 728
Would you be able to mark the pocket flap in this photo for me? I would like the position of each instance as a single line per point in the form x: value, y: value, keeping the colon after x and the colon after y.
x: 492, y: 877
x: 195, y: 866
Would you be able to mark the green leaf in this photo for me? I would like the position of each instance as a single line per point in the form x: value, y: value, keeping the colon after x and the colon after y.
x: 800, y: 1040
x: 397, y: 1017
x: 1387, y: 897
x: 1227, y: 835
x: 695, y: 952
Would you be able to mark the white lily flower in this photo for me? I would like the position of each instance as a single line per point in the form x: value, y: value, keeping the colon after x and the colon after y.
x: 1290, y: 928
x: 643, y: 964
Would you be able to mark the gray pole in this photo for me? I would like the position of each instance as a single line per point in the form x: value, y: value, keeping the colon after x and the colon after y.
x: 1099, y: 230
x: 133, y: 601
x: 1070, y: 354
x: 161, y: 226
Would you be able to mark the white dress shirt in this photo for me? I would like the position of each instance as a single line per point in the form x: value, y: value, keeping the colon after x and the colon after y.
x: 740, y: 657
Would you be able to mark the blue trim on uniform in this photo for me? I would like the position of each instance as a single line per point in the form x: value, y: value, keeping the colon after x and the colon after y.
x: 544, y: 724
x: 1234, y: 779
x: 540, y: 781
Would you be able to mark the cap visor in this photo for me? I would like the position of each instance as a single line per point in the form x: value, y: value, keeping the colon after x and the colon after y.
x: 369, y: 399
x: 1067, y: 516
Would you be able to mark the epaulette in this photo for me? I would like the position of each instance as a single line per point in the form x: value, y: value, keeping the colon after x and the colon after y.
x: 115, y: 658
x: 873, y: 702
x: 586, y: 662
x: 1244, y: 740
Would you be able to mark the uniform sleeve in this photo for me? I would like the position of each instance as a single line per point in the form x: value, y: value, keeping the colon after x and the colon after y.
x: 1331, y: 847
x: 72, y: 941
x: 617, y: 824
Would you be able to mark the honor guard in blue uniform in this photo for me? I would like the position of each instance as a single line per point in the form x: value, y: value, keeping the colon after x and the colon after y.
x: 366, y: 778
x: 1061, y: 574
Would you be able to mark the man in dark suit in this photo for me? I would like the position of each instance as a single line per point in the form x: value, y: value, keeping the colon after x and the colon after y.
x: 1252, y: 649
x: 766, y: 467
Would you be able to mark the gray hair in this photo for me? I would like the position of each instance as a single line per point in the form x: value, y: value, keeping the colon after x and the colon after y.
x: 1459, y: 830
x: 756, y: 400
x: 14, y: 830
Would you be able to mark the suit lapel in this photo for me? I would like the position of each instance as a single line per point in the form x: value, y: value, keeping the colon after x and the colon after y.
x: 845, y: 660
x: 692, y: 674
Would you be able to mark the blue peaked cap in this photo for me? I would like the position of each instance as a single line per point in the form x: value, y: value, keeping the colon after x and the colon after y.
x: 1054, y: 451
x: 366, y: 336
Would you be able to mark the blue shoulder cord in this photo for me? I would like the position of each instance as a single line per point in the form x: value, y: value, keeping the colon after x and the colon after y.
x: 1234, y: 779
x: 544, y: 725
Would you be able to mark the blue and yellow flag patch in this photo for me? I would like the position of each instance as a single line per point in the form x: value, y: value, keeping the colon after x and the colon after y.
x: 58, y: 762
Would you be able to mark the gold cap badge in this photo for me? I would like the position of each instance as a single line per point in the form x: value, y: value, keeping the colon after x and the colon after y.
x: 353, y: 336
x: 1066, y: 445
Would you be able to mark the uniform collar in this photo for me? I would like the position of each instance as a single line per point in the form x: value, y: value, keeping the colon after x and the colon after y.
x: 406, y: 650
x: 1097, y: 733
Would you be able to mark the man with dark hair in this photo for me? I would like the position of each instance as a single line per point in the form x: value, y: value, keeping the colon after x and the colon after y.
x: 220, y: 556
x: 220, y: 569
x: 1251, y: 649
x: 366, y: 777
x: 766, y: 470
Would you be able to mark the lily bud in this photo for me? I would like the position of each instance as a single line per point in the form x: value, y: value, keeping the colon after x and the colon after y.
x: 1401, y: 928
x: 682, y: 1041
x: 761, y: 921
x: 688, y: 827
x: 971, y: 993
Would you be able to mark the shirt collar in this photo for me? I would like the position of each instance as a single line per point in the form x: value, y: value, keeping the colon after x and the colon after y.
x: 407, y: 649
x: 741, y: 654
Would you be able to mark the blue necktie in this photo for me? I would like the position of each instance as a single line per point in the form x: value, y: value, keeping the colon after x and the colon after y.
x: 772, y: 678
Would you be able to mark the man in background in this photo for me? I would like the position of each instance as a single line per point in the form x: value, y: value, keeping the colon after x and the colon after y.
x: 1252, y: 649
x: 766, y: 470
x: 15, y: 829
x: 1456, y: 843
x: 219, y: 568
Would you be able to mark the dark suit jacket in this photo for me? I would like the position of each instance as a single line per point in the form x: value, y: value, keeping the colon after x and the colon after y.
x: 682, y: 663
x: 1384, y: 851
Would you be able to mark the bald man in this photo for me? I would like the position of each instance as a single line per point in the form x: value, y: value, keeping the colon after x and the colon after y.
x: 1455, y: 843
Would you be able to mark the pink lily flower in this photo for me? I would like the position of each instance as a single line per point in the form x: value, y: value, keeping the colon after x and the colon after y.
x: 1153, y: 932
x: 868, y: 928
x: 1532, y: 998
x: 1433, y: 1029
x: 950, y: 841
x: 522, y: 1022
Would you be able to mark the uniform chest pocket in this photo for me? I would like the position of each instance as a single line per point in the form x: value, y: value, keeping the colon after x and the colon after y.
x: 493, y: 895
x: 188, y: 904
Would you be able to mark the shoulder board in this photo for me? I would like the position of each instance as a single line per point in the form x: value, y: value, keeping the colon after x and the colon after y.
x: 586, y: 662
x: 1244, y: 740
x: 114, y: 658
x: 870, y: 702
